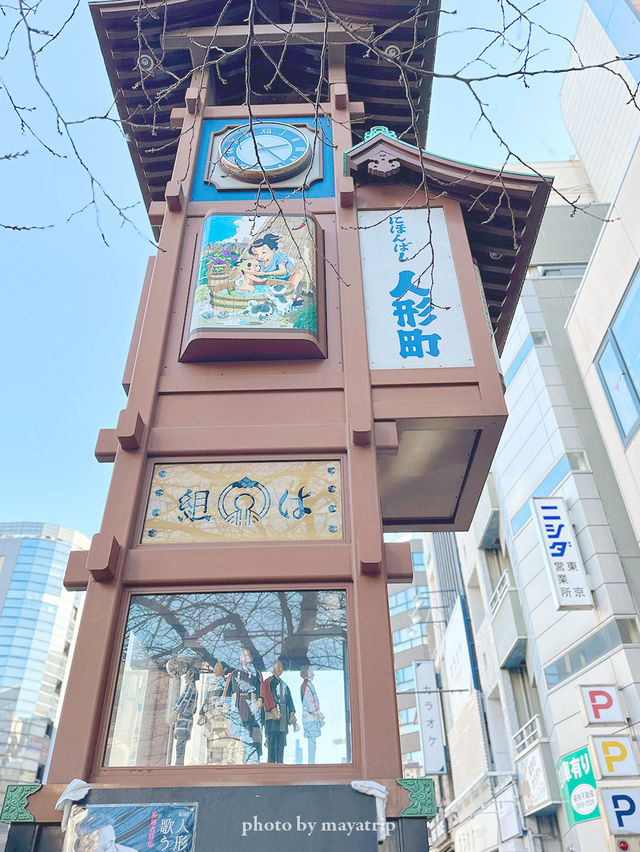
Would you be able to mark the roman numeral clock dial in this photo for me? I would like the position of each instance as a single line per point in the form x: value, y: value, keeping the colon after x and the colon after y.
x: 250, y: 152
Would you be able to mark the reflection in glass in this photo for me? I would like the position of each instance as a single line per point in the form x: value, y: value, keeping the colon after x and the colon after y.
x: 226, y: 678
x: 619, y: 390
x: 625, y: 331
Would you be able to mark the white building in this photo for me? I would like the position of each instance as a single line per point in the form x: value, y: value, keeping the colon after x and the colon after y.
x: 603, y: 323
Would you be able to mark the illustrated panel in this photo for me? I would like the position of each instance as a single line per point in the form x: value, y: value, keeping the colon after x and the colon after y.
x: 232, y: 678
x: 197, y: 502
x: 256, y: 272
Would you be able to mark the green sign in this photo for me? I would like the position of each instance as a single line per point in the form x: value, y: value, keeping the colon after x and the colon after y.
x: 578, y: 786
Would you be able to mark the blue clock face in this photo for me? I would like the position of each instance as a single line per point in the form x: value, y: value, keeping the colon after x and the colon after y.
x: 267, y: 147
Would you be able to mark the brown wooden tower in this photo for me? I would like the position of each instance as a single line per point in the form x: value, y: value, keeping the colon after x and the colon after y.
x: 314, y: 361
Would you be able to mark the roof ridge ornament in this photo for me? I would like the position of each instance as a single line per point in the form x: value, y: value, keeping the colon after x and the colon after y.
x: 380, y: 129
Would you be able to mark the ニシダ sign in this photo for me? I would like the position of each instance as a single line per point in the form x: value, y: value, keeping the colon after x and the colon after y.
x: 578, y: 786
x: 569, y: 582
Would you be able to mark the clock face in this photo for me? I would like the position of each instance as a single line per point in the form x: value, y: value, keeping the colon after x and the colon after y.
x: 267, y: 147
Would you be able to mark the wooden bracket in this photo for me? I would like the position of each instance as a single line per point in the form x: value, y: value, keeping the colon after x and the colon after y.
x: 76, y: 577
x: 174, y: 195
x: 192, y: 100
x: 130, y: 429
x: 102, y: 561
x: 340, y: 93
x: 397, y: 562
x: 370, y: 554
x: 156, y: 212
x: 346, y: 191
x: 386, y: 435
x: 106, y: 445
x: 177, y: 117
x: 356, y: 112
x: 361, y: 425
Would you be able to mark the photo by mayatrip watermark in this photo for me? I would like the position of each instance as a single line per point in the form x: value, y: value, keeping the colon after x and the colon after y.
x: 309, y: 827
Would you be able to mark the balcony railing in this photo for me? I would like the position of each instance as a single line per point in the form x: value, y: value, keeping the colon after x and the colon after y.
x: 499, y: 592
x: 528, y: 735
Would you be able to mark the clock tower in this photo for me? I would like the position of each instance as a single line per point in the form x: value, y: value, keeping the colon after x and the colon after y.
x: 313, y: 363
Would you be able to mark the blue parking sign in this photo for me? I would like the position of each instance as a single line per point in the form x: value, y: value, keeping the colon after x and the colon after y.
x: 622, y: 805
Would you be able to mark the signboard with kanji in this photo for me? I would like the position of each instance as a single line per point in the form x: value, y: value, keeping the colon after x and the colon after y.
x: 569, y: 582
x: 578, y: 786
x: 431, y: 735
x: 413, y: 307
x: 163, y: 827
x: 244, y: 501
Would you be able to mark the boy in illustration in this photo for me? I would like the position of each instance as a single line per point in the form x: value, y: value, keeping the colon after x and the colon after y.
x: 273, y: 262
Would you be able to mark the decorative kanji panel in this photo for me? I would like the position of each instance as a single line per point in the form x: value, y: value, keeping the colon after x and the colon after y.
x: 244, y: 501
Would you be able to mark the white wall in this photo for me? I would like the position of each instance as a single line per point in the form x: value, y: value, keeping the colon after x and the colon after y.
x: 600, y: 121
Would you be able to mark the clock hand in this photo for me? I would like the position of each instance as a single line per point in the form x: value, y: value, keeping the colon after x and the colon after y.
x: 271, y: 148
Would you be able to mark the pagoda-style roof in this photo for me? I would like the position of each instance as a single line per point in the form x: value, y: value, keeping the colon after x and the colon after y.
x: 149, y: 73
x: 502, y: 210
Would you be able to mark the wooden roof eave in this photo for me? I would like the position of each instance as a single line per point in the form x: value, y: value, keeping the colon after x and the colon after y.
x: 515, y: 200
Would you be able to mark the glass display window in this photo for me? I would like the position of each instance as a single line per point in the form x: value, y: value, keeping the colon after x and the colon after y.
x: 232, y: 678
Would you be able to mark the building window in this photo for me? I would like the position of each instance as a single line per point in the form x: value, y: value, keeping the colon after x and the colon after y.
x: 418, y: 560
x: 539, y: 338
x: 622, y: 631
x: 563, y: 270
x: 208, y: 677
x: 618, y: 363
x: 414, y: 597
x: 405, y: 679
x: 408, y: 720
x: 578, y: 461
x: 412, y: 757
x: 410, y: 637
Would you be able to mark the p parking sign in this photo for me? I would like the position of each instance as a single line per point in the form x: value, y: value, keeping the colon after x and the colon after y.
x: 622, y: 806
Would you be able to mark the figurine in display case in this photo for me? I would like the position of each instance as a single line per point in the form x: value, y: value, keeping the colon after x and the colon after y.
x: 279, y: 714
x: 244, y: 689
x: 312, y: 718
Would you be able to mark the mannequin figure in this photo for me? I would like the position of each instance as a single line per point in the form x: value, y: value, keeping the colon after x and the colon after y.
x: 279, y: 714
x: 214, y: 717
x: 312, y: 718
x: 183, y: 712
x: 244, y: 684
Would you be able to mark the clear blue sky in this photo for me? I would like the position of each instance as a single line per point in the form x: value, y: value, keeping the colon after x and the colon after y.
x: 68, y: 300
